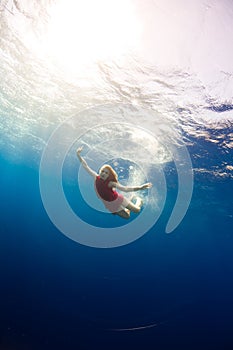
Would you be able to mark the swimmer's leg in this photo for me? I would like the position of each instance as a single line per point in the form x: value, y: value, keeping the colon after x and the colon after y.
x: 124, y: 213
x: 135, y: 207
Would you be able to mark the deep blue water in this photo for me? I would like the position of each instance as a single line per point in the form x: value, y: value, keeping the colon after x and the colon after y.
x: 58, y: 294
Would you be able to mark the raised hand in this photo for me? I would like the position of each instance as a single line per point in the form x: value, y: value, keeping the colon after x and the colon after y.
x: 147, y: 185
x: 79, y: 150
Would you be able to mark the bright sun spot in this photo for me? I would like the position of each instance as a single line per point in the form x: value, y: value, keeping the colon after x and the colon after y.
x: 80, y: 31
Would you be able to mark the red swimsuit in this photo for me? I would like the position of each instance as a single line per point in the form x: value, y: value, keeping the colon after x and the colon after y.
x: 111, y: 198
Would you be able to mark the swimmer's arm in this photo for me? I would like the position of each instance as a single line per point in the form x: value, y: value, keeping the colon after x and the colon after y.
x: 84, y: 163
x: 129, y: 188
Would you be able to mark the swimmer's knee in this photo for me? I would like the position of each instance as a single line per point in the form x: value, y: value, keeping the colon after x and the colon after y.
x: 136, y: 210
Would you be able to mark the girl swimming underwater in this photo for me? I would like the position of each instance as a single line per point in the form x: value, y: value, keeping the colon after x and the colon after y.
x: 106, y: 183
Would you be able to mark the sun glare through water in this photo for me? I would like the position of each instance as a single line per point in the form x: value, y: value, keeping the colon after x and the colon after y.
x: 82, y: 32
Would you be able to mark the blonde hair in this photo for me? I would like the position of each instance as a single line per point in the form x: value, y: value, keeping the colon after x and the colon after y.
x: 112, y: 174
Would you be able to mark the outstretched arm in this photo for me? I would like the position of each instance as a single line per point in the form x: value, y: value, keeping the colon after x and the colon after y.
x: 130, y: 188
x: 84, y: 163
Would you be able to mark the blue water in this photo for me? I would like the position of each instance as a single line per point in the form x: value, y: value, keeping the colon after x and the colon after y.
x: 173, y: 89
x: 56, y: 293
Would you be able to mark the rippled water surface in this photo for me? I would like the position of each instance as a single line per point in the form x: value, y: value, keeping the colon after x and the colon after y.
x: 182, y: 78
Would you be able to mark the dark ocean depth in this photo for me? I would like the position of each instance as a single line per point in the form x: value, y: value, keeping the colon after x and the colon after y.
x: 160, y: 292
